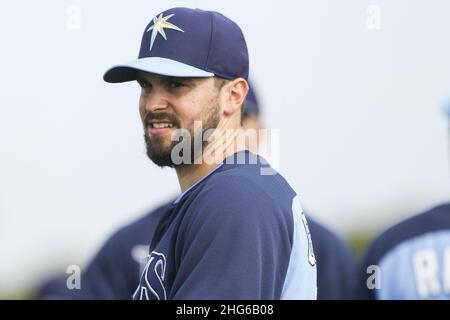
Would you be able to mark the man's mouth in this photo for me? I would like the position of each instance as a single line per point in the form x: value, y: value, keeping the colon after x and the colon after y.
x: 159, y: 127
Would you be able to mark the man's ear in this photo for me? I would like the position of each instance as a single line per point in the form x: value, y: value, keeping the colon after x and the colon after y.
x: 235, y: 93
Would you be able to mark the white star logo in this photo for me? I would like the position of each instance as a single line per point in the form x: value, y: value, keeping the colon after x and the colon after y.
x: 159, y: 23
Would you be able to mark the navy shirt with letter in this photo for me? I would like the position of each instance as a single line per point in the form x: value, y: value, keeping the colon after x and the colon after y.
x: 236, y: 234
x: 239, y: 233
x: 115, y: 270
x: 410, y: 260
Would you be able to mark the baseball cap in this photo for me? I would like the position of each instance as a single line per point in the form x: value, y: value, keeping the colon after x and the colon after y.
x: 184, y: 42
x: 251, y: 101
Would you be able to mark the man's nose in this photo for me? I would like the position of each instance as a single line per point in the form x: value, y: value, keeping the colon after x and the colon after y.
x: 156, y: 100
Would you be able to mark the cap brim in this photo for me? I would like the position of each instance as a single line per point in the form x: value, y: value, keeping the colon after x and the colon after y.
x: 162, y: 66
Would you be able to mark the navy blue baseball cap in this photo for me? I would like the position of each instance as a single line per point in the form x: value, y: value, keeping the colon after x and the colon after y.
x: 183, y: 42
x: 251, y: 101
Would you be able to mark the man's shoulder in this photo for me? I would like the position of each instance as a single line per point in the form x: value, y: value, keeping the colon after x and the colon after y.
x: 138, y: 230
x: 254, y: 177
x: 408, y: 245
x: 326, y: 239
x: 240, y: 195
x: 430, y: 221
x: 245, y: 186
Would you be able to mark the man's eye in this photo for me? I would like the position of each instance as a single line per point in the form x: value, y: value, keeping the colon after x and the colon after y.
x: 144, y: 85
x: 175, y: 84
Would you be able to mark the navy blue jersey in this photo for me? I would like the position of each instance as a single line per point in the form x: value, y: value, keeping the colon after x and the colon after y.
x: 336, y: 267
x: 115, y: 270
x: 410, y: 260
x: 235, y: 234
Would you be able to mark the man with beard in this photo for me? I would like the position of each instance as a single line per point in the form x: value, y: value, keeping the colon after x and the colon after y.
x: 116, y: 267
x: 237, y: 230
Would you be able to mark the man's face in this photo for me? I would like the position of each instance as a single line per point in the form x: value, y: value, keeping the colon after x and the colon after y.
x: 167, y: 104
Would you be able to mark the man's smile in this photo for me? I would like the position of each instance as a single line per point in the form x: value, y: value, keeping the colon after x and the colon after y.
x: 159, y: 127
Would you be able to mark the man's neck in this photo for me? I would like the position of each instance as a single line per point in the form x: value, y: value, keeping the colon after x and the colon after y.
x: 190, y: 174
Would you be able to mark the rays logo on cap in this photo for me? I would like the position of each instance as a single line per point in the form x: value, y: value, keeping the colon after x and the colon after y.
x: 159, y: 23
x: 213, y: 44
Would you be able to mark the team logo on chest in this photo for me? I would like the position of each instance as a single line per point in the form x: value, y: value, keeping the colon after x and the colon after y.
x: 151, y: 285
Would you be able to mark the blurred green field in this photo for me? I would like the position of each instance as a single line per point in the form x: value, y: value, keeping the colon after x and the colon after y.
x: 359, y: 243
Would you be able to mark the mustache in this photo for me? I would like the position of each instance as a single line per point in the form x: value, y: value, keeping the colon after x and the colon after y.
x: 161, y: 116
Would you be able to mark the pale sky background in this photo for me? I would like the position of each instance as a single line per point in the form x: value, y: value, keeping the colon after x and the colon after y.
x: 363, y: 139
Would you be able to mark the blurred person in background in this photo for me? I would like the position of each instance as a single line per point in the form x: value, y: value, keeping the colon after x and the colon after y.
x: 410, y: 260
x: 115, y: 270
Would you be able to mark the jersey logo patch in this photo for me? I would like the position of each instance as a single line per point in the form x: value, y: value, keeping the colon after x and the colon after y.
x: 151, y: 285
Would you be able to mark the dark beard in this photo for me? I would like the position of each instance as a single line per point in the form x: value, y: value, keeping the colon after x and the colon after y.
x: 162, y: 156
x: 157, y: 154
